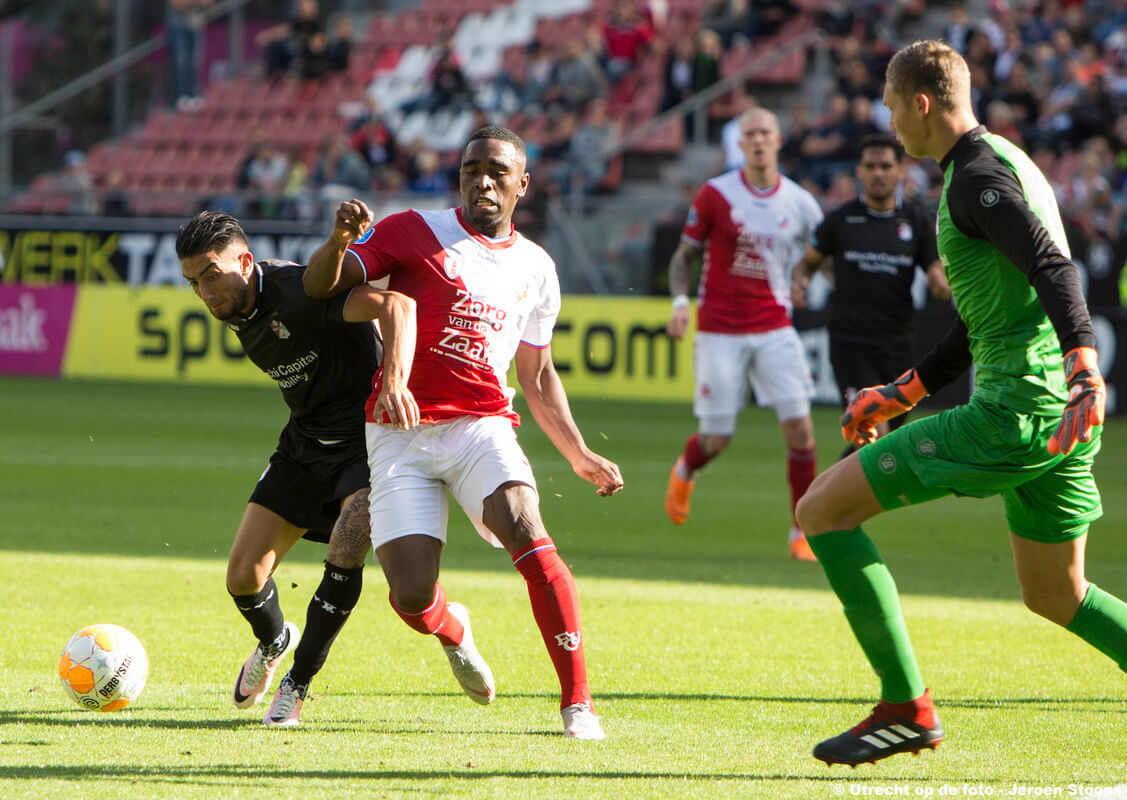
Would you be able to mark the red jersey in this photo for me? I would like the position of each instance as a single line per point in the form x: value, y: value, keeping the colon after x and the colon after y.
x: 477, y: 300
x: 752, y: 238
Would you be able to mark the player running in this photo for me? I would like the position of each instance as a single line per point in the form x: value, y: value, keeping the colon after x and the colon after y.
x: 486, y: 297
x: 752, y: 226
x: 1029, y: 432
x: 323, y: 355
x: 874, y: 245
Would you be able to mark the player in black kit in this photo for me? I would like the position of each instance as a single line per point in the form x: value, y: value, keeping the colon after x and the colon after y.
x: 323, y: 354
x: 875, y: 245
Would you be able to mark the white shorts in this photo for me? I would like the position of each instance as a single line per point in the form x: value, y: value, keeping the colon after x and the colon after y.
x: 411, y: 470
x: 775, y: 362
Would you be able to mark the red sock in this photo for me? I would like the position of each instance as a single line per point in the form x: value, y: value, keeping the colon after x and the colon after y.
x: 802, y: 467
x: 555, y: 606
x: 694, y: 455
x: 435, y: 619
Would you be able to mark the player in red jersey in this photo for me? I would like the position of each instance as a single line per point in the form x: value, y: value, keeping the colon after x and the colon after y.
x: 751, y: 226
x: 485, y: 297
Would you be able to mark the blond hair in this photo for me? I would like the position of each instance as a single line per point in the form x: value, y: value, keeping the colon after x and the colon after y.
x: 932, y: 68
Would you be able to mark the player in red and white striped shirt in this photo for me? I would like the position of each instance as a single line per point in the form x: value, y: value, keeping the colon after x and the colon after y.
x: 751, y: 226
x: 486, y: 297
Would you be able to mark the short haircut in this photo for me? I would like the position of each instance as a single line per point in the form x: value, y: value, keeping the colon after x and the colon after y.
x: 209, y: 232
x: 501, y: 134
x: 932, y: 68
x: 880, y: 141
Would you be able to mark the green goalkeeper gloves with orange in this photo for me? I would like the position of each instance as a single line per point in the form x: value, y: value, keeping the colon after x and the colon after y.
x: 1086, y: 397
x: 877, y: 404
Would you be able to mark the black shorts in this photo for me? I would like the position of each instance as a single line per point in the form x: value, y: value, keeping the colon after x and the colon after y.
x: 306, y: 480
x: 858, y: 364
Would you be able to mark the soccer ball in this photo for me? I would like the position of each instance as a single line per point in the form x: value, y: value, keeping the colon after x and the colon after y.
x: 104, y: 667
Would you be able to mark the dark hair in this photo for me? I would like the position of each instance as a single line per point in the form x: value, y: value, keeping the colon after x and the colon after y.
x: 501, y: 134
x: 880, y: 141
x: 209, y: 231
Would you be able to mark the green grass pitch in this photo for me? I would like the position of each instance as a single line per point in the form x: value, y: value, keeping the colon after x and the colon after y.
x: 716, y: 662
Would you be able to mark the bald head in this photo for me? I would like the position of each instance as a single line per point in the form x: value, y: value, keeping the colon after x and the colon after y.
x: 760, y: 141
x: 759, y: 118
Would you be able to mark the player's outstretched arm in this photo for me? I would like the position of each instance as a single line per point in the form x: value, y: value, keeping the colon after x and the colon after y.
x: 548, y: 403
x: 680, y: 273
x: 332, y: 268
x: 395, y: 313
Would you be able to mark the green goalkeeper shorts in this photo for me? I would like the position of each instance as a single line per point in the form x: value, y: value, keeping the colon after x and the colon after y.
x: 982, y: 449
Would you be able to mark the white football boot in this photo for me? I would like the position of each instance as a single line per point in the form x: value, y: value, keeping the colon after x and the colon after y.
x: 580, y: 722
x: 471, y: 670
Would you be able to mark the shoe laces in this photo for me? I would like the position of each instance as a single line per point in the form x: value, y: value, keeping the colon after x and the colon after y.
x: 289, y: 696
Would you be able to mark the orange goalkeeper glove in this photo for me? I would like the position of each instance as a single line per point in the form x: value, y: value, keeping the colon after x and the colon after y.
x: 879, y: 404
x: 1086, y: 397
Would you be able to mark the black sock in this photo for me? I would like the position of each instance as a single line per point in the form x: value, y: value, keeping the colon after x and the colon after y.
x: 328, y: 610
x: 263, y: 612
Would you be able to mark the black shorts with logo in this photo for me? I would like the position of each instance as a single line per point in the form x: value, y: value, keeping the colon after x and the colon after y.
x: 306, y: 480
x: 858, y: 364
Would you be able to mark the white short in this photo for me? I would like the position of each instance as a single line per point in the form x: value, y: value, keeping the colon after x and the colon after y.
x: 775, y: 362
x: 411, y: 470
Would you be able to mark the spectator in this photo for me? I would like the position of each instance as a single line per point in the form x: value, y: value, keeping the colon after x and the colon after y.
x: 727, y: 18
x: 183, y: 20
x: 340, y: 43
x: 266, y: 175
x: 375, y: 143
x: 339, y: 170
x: 77, y: 183
x: 115, y: 196
x: 576, y: 79
x: 625, y: 34
x: 430, y: 178
x: 679, y: 69
x: 285, y: 43
x: 295, y: 195
x: 537, y: 75
x: 1000, y: 119
x: 580, y: 168
x: 957, y: 30
x: 706, y: 64
x: 826, y: 149
x: 315, y: 58
x: 449, y: 87
x: 767, y: 17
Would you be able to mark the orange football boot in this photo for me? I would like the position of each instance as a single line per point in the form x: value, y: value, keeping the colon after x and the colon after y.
x: 677, y: 495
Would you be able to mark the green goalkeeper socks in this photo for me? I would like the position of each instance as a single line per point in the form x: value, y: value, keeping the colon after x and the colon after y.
x: 865, y: 587
x: 1101, y: 621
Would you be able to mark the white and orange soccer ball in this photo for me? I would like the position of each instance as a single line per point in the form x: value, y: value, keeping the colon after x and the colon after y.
x: 104, y: 667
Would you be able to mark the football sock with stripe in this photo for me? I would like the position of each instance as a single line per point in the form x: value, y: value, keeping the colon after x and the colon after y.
x: 1101, y: 621
x: 263, y: 611
x: 693, y: 457
x: 802, y: 468
x: 868, y: 594
x: 555, y: 607
x: 435, y: 619
x: 328, y: 611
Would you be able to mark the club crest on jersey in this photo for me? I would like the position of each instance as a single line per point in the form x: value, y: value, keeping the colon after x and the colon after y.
x: 452, y: 267
x: 568, y: 640
x: 783, y: 222
x: 280, y: 330
x: 904, y: 231
x: 989, y: 197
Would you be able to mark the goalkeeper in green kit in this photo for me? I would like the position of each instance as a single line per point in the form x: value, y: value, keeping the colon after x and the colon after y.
x: 1029, y: 431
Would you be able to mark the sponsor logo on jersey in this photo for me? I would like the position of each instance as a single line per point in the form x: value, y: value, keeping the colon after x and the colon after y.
x: 366, y: 236
x: 904, y: 231
x: 568, y: 640
x: 693, y: 217
x: 926, y: 447
x: 989, y: 197
x: 887, y: 463
x: 280, y: 330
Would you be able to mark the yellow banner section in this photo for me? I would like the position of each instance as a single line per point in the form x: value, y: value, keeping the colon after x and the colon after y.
x: 160, y: 334
x: 604, y: 347
x: 617, y: 348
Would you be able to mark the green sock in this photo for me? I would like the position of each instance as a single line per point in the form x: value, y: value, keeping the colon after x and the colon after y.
x: 865, y: 587
x: 1101, y: 621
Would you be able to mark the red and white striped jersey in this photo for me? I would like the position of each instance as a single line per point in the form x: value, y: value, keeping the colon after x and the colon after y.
x: 477, y: 300
x: 752, y: 238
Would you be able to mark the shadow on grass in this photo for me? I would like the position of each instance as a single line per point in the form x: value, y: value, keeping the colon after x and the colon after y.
x: 242, y: 773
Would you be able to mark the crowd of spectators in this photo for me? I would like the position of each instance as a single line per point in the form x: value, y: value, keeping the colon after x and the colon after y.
x: 304, y: 45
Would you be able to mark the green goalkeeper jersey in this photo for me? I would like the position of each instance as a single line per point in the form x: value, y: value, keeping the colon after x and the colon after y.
x: 1002, y: 242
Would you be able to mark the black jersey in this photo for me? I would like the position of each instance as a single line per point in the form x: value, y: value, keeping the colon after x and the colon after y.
x: 875, y: 256
x: 323, y: 365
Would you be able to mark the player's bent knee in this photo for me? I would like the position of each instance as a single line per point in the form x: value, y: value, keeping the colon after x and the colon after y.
x: 1058, y: 607
x: 512, y: 512
x: 412, y: 597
